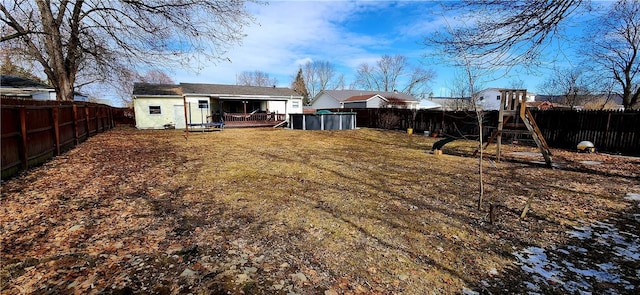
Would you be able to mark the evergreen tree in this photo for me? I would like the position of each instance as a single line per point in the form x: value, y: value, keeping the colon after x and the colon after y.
x: 300, y: 87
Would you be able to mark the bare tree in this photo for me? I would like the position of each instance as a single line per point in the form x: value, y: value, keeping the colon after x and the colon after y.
x: 92, y: 40
x: 572, y: 85
x: 460, y: 94
x: 124, y: 86
x: 320, y: 75
x: 504, y: 33
x: 388, y: 74
x: 473, y: 70
x: 8, y: 67
x: 616, y: 48
x: 517, y: 84
x: 256, y: 78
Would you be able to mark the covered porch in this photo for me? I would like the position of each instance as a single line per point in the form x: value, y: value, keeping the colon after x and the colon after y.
x: 236, y: 113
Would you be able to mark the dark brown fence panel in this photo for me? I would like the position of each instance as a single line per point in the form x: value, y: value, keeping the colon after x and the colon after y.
x: 610, y: 131
x: 124, y: 116
x: 66, y: 128
x: 11, y: 141
x: 35, y: 131
x: 82, y: 123
x: 40, y: 137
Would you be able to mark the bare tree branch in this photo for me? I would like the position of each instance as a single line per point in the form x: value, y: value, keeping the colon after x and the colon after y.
x: 94, y: 38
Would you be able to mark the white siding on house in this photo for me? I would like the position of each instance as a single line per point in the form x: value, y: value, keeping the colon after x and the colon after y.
x: 145, y: 120
x: 325, y: 101
x: 295, y: 106
x: 195, y: 114
x: 278, y: 107
x: 44, y: 95
x: 375, y: 102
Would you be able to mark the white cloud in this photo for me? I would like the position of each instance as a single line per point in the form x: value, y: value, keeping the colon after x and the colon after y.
x: 290, y: 33
x: 285, y: 35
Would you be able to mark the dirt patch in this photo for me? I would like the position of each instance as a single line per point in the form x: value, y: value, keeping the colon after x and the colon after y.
x: 274, y: 211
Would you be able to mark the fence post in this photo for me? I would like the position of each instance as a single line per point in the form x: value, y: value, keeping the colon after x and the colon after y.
x: 86, y: 119
x: 97, y: 112
x: 111, y: 122
x: 23, y: 134
x: 56, y: 128
x: 75, y: 125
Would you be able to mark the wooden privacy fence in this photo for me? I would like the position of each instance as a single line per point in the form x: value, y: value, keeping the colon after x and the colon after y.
x: 610, y: 131
x: 35, y: 131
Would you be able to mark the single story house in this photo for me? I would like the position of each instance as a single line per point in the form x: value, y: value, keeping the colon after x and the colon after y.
x: 19, y: 87
x: 450, y: 103
x: 338, y: 99
x: 489, y: 99
x: 159, y: 106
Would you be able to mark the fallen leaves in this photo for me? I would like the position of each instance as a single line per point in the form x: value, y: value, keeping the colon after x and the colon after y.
x: 273, y: 211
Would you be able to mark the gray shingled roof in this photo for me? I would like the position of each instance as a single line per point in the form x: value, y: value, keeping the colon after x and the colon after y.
x: 219, y: 89
x: 209, y: 89
x: 9, y: 81
x: 342, y: 95
x: 156, y: 89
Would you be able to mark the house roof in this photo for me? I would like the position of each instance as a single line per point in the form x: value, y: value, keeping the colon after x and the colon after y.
x: 156, y: 89
x: 342, y: 95
x: 210, y: 89
x: 427, y: 104
x: 9, y: 81
x: 361, y: 97
x: 220, y: 89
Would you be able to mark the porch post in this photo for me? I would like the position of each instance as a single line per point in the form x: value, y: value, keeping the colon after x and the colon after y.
x: 244, y: 104
x: 286, y: 111
x: 186, y: 123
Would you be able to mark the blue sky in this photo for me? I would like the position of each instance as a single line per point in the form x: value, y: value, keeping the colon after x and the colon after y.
x: 286, y: 34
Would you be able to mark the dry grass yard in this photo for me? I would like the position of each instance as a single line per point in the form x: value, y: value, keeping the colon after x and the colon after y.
x: 276, y: 211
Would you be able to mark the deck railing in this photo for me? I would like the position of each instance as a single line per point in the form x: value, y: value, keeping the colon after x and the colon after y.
x: 235, y: 117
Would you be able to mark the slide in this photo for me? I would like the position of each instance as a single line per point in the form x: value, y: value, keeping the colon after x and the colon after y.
x: 462, y: 132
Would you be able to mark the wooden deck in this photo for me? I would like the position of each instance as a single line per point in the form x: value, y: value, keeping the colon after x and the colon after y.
x: 247, y: 124
x: 240, y: 120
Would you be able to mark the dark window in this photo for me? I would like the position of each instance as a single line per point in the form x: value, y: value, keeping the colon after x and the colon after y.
x: 498, y: 97
x: 154, y: 110
x: 203, y: 104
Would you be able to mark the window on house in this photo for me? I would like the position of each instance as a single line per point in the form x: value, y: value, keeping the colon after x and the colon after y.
x: 295, y: 104
x: 498, y: 97
x: 154, y: 110
x: 203, y: 104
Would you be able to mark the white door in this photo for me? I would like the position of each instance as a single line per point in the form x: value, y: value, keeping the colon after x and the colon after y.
x: 178, y: 114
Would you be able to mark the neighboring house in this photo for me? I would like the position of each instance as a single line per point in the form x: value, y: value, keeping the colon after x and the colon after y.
x: 159, y: 106
x: 426, y: 104
x: 14, y: 86
x: 611, y: 101
x: 489, y: 99
x: 451, y: 104
x: 542, y: 105
x: 337, y: 99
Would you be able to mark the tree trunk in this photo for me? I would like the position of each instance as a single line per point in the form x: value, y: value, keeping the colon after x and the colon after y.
x: 62, y: 65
